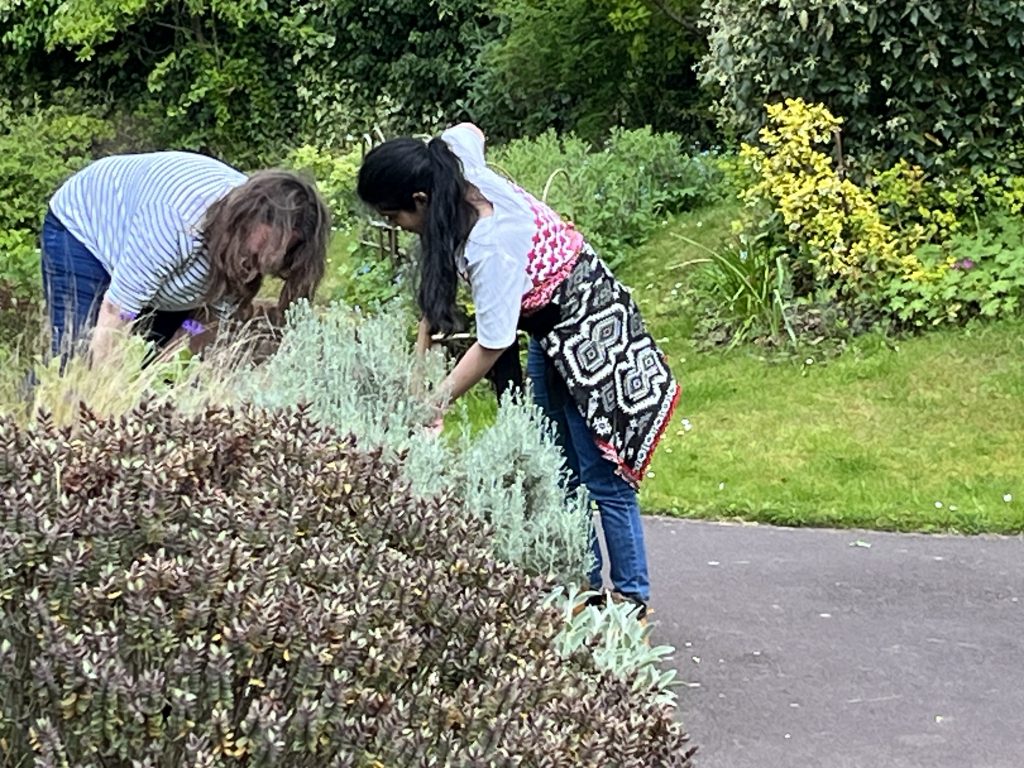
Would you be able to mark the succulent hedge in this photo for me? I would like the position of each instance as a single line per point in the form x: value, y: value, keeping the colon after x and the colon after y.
x: 244, y: 587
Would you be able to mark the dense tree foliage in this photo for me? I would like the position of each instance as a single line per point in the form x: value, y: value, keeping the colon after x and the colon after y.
x: 245, y: 79
x: 921, y: 80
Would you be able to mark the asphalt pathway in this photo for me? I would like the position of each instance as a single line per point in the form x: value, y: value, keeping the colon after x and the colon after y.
x: 842, y: 649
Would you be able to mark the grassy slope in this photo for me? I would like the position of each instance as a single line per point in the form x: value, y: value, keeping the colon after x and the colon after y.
x: 875, y: 438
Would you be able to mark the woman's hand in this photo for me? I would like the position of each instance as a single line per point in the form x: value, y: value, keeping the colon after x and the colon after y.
x: 111, y: 323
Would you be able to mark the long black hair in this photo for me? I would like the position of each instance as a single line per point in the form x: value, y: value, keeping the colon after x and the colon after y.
x: 391, y: 174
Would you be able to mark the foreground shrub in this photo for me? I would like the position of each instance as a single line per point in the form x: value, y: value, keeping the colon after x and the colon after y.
x: 245, y: 588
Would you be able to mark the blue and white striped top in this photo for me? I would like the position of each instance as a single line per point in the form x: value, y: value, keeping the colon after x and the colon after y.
x: 140, y: 215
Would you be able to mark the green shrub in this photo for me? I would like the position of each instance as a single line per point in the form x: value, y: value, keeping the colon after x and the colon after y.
x: 978, y: 274
x: 247, y: 588
x: 912, y: 80
x: 890, y: 250
x: 616, y: 194
x: 39, y: 148
x: 366, y: 277
x: 586, y: 67
x: 335, y: 173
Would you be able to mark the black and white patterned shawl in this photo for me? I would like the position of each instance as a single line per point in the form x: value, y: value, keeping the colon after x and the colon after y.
x: 614, y: 371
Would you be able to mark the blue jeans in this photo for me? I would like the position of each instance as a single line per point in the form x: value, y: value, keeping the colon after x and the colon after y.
x: 74, y: 283
x: 615, y: 498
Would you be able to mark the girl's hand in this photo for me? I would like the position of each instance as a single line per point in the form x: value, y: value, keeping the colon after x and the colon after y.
x: 436, y: 427
x: 436, y: 424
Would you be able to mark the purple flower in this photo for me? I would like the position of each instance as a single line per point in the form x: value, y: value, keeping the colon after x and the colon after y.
x: 964, y: 264
x: 192, y: 327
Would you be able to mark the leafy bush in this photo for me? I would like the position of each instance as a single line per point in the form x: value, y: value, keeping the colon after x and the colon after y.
x: 837, y: 234
x: 243, y: 80
x: 978, y: 274
x: 912, y: 79
x: 365, y: 276
x: 245, y: 587
x: 586, y: 67
x: 837, y: 237
x: 616, y: 194
x: 39, y: 148
x: 889, y: 250
x: 335, y: 173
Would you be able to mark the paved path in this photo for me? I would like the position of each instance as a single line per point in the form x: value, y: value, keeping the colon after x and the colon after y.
x: 807, y: 649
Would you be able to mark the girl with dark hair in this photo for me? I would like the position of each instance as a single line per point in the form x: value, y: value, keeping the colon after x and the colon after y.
x: 166, y: 236
x: 594, y: 369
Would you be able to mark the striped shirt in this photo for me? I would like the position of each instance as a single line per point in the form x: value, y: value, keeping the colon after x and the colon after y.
x: 141, y: 215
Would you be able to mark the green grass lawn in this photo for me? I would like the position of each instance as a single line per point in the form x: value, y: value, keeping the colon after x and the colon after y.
x: 922, y: 433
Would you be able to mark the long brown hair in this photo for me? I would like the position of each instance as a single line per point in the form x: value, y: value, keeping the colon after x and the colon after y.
x: 292, y: 206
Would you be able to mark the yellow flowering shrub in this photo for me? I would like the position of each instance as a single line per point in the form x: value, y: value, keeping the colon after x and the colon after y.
x: 916, y: 207
x: 832, y: 225
x: 1002, y: 192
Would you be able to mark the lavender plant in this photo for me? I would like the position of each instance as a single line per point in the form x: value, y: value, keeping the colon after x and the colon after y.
x: 512, y: 475
x: 359, y: 375
x: 246, y: 587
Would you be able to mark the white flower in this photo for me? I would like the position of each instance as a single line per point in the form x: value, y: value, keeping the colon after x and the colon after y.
x: 687, y: 426
x: 1007, y: 497
x: 809, y: 361
x: 938, y: 505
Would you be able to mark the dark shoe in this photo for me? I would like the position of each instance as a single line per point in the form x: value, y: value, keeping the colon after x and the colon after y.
x: 601, y: 599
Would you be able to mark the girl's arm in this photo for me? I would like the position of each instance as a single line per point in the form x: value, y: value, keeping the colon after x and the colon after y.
x: 473, y: 366
x: 423, y: 338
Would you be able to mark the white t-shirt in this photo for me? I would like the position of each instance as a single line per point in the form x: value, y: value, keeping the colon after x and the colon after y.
x: 494, y: 260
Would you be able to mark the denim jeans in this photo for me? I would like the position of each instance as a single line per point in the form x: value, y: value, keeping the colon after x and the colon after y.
x: 74, y: 283
x: 615, y: 498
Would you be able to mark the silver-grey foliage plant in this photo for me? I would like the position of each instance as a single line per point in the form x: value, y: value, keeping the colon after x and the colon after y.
x: 358, y: 374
